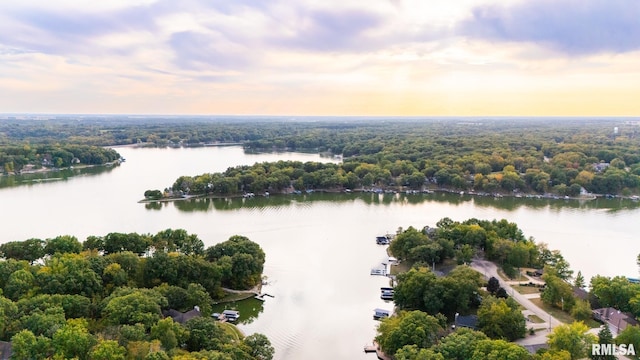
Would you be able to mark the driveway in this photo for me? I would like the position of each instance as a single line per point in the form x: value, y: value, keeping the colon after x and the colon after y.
x: 489, y: 269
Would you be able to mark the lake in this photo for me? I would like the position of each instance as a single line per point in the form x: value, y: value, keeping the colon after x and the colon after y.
x: 320, y: 247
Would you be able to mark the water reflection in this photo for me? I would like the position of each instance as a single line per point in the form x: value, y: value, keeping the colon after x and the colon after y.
x: 30, y: 179
x: 505, y: 203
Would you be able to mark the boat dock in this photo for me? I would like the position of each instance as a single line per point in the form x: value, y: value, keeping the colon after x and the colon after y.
x: 375, y: 348
x: 261, y: 296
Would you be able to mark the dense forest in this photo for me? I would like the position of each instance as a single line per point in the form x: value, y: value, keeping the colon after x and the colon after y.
x: 14, y: 159
x: 108, y: 297
x: 538, y: 156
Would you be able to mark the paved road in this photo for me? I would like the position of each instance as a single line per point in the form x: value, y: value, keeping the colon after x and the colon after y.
x: 489, y: 269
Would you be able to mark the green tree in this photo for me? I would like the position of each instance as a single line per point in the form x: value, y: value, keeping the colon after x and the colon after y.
x: 581, y: 310
x: 45, y: 322
x: 205, y: 334
x: 19, y: 284
x: 557, y: 292
x: 573, y: 338
x: 108, y: 350
x: 407, y: 328
x: 26, y: 346
x: 501, y: 319
x: 629, y: 335
x: 260, y: 346
x: 412, y: 352
x: 604, y: 337
x: 499, y: 350
x: 460, y: 344
x: 134, y: 307
x: 73, y: 340
x: 62, y: 244
x: 169, y: 333
x: 29, y: 250
x: 579, y: 281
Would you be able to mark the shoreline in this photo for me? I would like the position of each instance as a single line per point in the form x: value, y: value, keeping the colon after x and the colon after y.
x: 586, y: 197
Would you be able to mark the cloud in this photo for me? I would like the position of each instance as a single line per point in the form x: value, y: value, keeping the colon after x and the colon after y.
x: 575, y: 27
x: 330, y: 30
x: 65, y: 31
x: 202, y: 51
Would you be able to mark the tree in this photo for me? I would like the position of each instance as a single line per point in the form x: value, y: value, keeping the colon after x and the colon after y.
x: 62, y: 244
x: 557, y: 292
x: 573, y: 338
x: 45, y: 322
x: 460, y: 344
x: 108, y: 350
x: 19, y: 284
x: 135, y: 307
x: 581, y: 310
x: 169, y: 333
x: 73, y: 340
x: 604, y: 337
x: 629, y: 335
x: 260, y: 345
x: 501, y: 319
x: 29, y: 250
x: 410, y: 291
x: 499, y: 350
x: 579, y: 281
x: 204, y: 334
x: 26, y: 346
x: 407, y: 328
x: 493, y: 285
x: 413, y: 352
x: 68, y: 274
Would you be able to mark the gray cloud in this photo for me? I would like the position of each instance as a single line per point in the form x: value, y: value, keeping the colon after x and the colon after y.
x: 68, y: 31
x: 575, y: 27
x: 199, y: 51
x: 334, y: 30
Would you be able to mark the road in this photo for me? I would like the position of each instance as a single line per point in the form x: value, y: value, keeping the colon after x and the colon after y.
x: 489, y: 269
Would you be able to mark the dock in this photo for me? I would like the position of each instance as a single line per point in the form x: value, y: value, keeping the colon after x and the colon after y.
x: 261, y: 296
x: 375, y: 348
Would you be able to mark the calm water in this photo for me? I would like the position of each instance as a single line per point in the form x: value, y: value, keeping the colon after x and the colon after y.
x: 320, y: 247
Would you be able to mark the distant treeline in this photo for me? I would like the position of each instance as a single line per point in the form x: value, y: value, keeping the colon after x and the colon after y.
x: 491, y: 155
x: 105, y: 298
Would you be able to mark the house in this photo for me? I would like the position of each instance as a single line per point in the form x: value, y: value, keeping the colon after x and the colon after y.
x: 380, y: 314
x: 180, y: 317
x: 614, y: 318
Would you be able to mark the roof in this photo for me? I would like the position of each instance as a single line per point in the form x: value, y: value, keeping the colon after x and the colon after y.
x: 231, y: 312
x: 182, y: 318
x: 580, y: 293
x: 5, y: 350
x: 469, y: 321
x: 616, y: 319
x: 382, y: 311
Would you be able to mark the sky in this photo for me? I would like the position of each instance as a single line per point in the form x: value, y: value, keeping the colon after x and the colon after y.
x: 330, y: 57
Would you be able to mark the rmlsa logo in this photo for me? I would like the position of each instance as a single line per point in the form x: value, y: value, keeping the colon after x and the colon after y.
x: 612, y: 349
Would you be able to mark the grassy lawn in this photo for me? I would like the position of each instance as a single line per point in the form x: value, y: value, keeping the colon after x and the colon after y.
x: 526, y: 289
x: 235, y: 297
x: 232, y: 330
x: 504, y: 277
x: 535, y: 319
x: 563, y: 316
